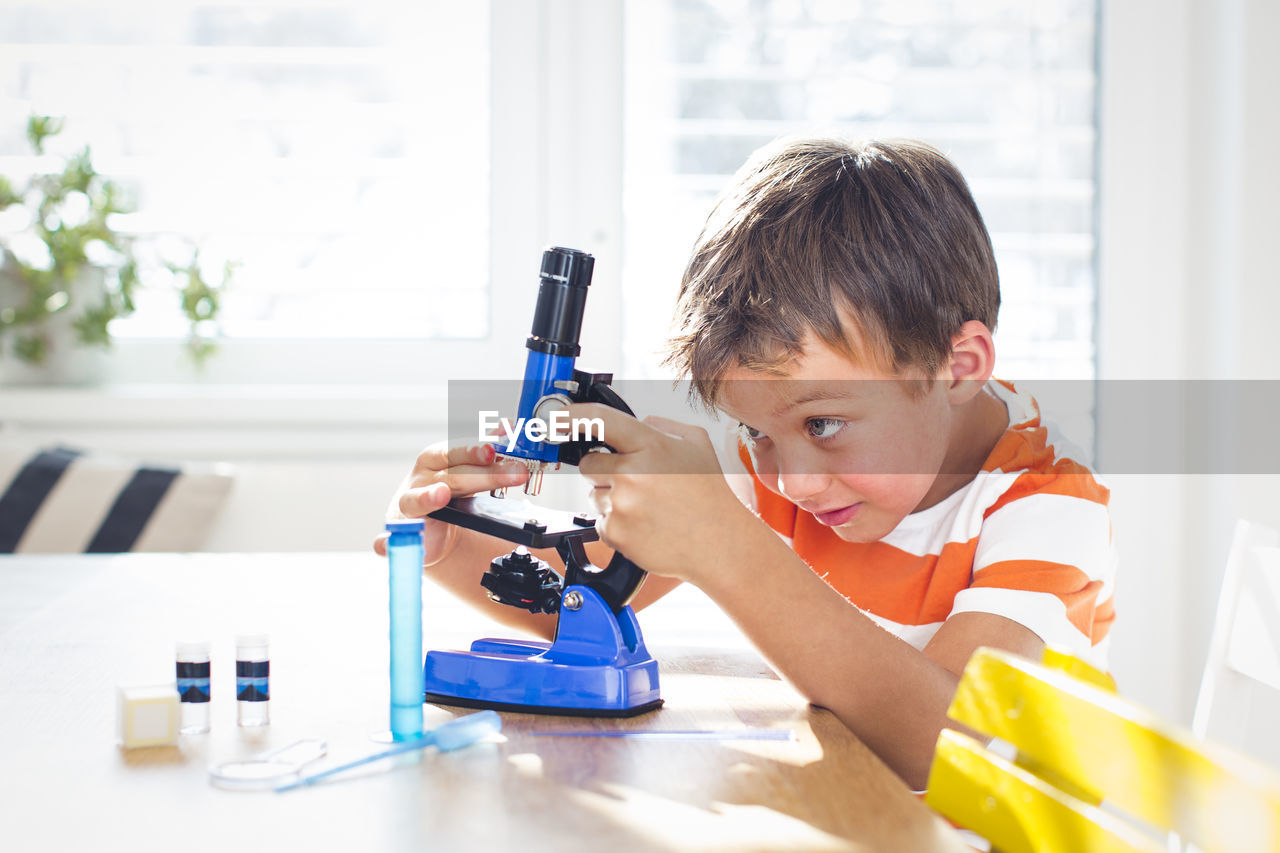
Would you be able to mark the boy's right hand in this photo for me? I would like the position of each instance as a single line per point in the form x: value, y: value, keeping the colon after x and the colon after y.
x: 440, y: 474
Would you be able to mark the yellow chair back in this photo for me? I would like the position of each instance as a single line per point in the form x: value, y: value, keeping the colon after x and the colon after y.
x: 1076, y: 742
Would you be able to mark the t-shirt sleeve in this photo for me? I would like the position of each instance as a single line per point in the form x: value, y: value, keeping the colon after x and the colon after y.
x: 776, y: 511
x: 1044, y: 559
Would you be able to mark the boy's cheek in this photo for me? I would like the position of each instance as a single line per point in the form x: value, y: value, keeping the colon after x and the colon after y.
x: 765, y: 466
x: 771, y: 483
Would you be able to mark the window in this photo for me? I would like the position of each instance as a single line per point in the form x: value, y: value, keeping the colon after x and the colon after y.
x: 336, y: 153
x: 385, y: 174
x: 1003, y: 87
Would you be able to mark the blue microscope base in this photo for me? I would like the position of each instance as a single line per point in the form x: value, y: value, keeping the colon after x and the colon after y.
x: 597, y: 667
x: 517, y: 675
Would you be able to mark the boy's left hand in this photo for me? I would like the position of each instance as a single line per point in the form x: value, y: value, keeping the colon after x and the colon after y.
x: 662, y: 494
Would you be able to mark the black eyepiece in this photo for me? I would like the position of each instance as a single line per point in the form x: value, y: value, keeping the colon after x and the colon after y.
x: 562, y: 296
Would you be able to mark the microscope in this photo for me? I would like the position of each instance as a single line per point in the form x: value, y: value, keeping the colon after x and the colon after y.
x: 597, y: 665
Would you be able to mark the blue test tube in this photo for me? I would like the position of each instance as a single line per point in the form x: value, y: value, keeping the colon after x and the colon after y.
x: 405, y: 555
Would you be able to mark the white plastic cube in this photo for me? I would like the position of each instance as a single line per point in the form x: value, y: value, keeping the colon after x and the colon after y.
x: 147, y: 715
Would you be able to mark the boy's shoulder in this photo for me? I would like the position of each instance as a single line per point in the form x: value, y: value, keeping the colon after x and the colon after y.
x: 1039, y: 527
x: 1034, y: 456
x: 1033, y: 486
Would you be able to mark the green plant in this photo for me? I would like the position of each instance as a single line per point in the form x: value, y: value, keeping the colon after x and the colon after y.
x: 62, y: 264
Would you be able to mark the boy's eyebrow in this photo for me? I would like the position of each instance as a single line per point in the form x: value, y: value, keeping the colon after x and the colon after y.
x: 834, y: 391
x: 811, y: 392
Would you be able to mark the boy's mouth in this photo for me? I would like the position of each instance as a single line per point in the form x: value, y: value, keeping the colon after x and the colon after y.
x: 837, y: 517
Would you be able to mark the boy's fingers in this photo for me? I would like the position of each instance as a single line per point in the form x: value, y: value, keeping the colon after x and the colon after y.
x: 675, y: 428
x: 380, y: 545
x: 600, y: 499
x: 622, y: 432
x: 415, y: 503
x: 467, y: 480
x: 599, y: 467
x: 463, y: 480
x: 438, y: 457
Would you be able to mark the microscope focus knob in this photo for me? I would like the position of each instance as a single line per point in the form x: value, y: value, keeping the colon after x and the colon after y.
x: 522, y: 580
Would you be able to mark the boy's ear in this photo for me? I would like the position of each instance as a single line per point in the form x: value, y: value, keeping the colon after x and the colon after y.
x: 973, y: 358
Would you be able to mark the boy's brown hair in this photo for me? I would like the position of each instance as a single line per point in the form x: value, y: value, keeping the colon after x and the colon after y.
x: 817, y: 233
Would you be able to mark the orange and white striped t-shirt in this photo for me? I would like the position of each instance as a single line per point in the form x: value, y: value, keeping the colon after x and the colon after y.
x: 1028, y: 539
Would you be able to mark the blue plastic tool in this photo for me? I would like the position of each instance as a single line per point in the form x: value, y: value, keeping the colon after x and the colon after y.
x: 454, y: 734
x: 598, y: 666
x: 404, y: 554
x: 679, y: 734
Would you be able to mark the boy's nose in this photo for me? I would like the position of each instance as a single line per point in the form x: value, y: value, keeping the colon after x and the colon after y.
x: 799, y: 487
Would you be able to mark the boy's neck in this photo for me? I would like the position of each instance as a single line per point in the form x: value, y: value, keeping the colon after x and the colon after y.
x: 976, y: 428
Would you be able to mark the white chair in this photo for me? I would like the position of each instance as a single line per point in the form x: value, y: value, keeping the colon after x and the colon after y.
x: 1239, y: 700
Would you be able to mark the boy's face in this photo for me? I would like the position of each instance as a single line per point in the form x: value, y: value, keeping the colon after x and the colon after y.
x: 857, y: 447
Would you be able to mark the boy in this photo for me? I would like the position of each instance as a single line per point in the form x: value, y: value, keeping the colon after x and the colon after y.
x: 905, y: 508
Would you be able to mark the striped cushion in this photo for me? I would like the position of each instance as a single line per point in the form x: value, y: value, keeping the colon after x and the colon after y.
x: 63, y: 500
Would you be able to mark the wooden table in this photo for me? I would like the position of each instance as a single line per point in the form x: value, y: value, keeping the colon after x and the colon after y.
x: 71, y: 628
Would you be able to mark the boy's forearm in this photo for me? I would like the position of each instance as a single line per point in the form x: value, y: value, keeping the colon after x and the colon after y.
x: 889, y: 694
x: 460, y: 573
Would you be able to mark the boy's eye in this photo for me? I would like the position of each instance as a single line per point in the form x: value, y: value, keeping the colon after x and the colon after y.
x: 823, y: 427
x: 750, y: 432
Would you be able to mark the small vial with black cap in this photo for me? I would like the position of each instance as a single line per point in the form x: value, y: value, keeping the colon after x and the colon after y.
x: 253, y: 687
x: 193, y: 685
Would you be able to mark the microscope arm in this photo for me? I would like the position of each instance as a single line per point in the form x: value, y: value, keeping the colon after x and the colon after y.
x: 617, y: 583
